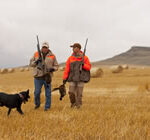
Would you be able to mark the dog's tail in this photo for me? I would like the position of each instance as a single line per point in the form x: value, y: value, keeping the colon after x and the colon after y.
x: 55, y: 89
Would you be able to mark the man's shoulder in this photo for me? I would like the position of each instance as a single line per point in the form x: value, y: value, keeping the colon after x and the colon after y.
x: 36, y: 54
x: 86, y: 56
x: 50, y: 53
x: 70, y: 57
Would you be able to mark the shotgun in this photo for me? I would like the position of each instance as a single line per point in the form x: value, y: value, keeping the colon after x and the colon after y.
x: 39, y: 65
x: 82, y: 62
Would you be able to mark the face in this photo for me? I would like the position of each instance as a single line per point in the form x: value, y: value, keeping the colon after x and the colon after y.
x: 76, y: 50
x: 44, y: 49
x: 25, y: 95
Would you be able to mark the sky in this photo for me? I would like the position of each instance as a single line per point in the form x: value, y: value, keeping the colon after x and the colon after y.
x: 111, y: 26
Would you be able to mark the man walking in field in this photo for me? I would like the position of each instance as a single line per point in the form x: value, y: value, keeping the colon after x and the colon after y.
x: 43, y: 76
x: 73, y: 75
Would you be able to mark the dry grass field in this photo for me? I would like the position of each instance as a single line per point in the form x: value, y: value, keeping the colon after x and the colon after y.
x: 115, y: 107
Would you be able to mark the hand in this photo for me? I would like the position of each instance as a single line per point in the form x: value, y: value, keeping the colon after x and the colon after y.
x: 82, y: 63
x: 38, y: 61
x: 51, y: 70
x: 64, y: 81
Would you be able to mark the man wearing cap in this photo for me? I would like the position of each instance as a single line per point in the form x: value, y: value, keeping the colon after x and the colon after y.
x: 43, y: 76
x: 72, y: 75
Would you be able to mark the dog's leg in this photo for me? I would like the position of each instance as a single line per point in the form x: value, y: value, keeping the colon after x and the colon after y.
x: 9, y: 111
x: 19, y: 110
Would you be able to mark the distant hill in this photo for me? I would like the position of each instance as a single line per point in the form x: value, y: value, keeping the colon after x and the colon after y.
x: 137, y: 55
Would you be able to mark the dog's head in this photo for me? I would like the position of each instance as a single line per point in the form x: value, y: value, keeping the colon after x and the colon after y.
x: 24, y: 95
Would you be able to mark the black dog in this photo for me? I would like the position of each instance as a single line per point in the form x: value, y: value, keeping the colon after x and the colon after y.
x: 62, y: 91
x: 14, y: 100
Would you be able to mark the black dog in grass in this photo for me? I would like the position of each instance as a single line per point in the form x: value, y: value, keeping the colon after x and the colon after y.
x: 14, y: 100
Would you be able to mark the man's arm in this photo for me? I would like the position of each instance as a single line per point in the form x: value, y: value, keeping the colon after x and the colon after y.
x: 32, y: 62
x: 55, y: 65
x: 87, y: 64
x: 67, y: 70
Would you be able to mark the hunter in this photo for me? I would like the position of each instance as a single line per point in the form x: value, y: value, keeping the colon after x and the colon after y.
x: 43, y: 76
x: 72, y: 74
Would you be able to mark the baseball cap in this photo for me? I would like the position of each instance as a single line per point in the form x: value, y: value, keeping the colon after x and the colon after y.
x: 76, y: 45
x: 45, y: 44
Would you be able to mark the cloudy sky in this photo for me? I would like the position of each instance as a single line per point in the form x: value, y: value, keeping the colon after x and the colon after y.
x: 112, y: 27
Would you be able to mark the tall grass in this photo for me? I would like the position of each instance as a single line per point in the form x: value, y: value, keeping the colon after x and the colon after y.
x: 111, y: 110
x: 100, y: 117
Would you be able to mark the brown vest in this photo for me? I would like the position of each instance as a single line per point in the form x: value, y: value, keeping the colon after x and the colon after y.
x: 75, y: 75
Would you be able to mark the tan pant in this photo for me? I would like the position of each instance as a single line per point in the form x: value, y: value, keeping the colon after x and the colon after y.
x: 75, y: 93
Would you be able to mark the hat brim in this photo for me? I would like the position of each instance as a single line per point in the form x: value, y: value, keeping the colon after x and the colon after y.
x: 45, y: 46
x: 75, y: 47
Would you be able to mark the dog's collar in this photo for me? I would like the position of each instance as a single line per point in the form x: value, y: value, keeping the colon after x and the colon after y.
x: 21, y: 96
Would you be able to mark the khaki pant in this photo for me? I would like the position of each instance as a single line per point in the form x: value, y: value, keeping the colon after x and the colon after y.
x: 75, y: 93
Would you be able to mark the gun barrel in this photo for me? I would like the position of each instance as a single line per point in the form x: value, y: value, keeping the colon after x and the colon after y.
x: 84, y: 49
x: 40, y: 66
x: 37, y: 39
x: 86, y: 43
x: 38, y: 46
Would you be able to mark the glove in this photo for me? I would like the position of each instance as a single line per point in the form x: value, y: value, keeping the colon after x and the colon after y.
x: 64, y: 81
x: 82, y: 63
x: 51, y: 70
x: 38, y: 61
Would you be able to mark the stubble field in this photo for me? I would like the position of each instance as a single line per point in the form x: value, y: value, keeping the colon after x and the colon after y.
x: 116, y: 106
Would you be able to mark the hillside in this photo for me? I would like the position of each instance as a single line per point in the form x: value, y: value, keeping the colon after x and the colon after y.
x: 137, y: 55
